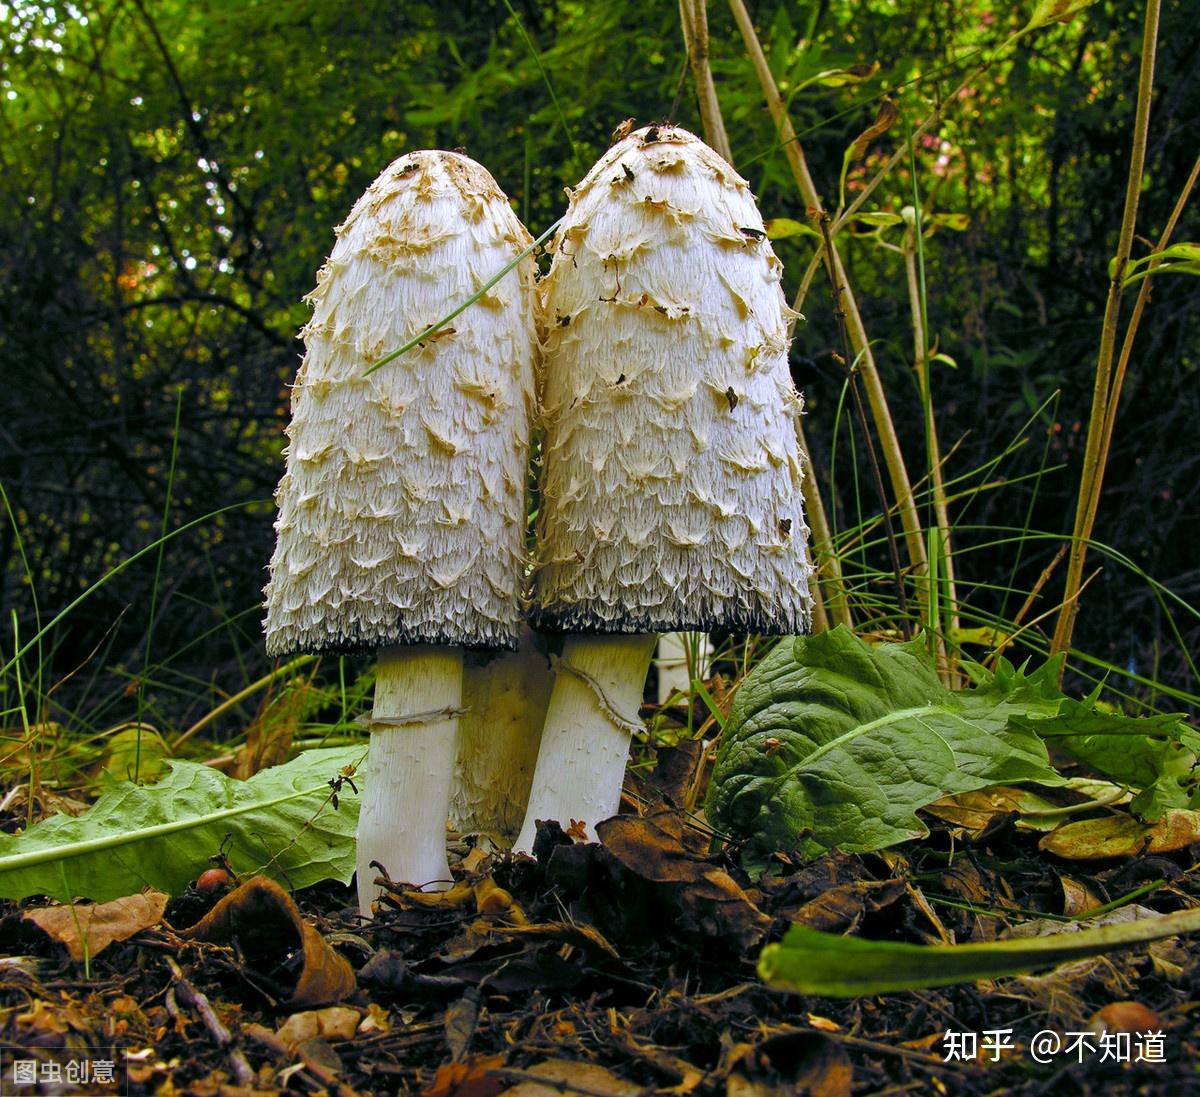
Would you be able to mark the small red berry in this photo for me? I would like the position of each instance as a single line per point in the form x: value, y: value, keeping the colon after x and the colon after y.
x: 213, y: 882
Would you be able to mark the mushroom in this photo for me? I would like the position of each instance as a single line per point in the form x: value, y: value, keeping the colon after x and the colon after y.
x: 505, y: 695
x: 402, y: 511
x: 670, y: 471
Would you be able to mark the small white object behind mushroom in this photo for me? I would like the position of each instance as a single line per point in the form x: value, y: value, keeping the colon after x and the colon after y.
x: 671, y: 472
x: 401, y: 522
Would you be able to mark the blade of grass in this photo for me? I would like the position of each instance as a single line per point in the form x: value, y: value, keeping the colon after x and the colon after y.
x: 162, y: 544
x: 437, y: 325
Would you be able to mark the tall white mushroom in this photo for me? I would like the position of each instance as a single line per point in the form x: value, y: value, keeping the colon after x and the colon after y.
x: 401, y: 524
x: 671, y: 475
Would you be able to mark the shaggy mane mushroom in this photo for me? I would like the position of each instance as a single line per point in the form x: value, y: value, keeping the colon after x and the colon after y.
x: 670, y: 465
x: 402, y: 512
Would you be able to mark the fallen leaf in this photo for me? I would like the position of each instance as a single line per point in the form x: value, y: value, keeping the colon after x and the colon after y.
x: 974, y: 811
x: 792, y: 1064
x: 700, y: 895
x: 89, y: 928
x: 460, y: 1021
x: 270, y: 929
x: 1122, y: 836
x: 1078, y: 898
x: 563, y: 1076
x: 842, y: 908
x: 474, y: 1078
x: 333, y: 1023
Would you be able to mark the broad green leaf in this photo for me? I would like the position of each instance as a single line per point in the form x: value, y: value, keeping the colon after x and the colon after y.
x: 831, y: 743
x: 1156, y: 754
x: 780, y: 228
x: 846, y: 967
x: 162, y: 835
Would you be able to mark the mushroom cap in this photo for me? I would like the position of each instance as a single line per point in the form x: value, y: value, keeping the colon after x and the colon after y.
x: 671, y: 467
x: 402, y: 512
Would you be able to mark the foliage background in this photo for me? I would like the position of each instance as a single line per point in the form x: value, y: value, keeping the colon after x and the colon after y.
x: 171, y: 175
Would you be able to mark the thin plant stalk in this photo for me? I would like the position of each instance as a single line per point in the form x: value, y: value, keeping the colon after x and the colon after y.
x: 859, y: 343
x: 158, y: 562
x: 1103, y: 394
x: 693, y: 16
x: 943, y: 611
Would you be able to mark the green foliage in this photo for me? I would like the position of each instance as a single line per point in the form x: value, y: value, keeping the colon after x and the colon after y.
x: 280, y: 821
x: 833, y: 743
x: 847, y: 967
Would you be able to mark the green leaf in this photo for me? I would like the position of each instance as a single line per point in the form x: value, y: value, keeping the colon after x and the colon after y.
x: 780, y: 228
x: 846, y: 967
x: 831, y: 743
x: 162, y: 835
x: 1055, y: 11
x: 1157, y: 754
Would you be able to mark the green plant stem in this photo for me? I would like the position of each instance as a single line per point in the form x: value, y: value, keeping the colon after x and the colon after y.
x: 1092, y: 477
x: 859, y: 343
x: 942, y: 549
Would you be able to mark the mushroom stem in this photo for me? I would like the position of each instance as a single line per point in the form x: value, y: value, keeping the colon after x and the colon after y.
x: 414, y: 732
x: 505, y: 697
x: 585, y: 741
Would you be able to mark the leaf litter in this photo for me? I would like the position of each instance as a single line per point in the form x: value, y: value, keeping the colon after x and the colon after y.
x: 615, y: 967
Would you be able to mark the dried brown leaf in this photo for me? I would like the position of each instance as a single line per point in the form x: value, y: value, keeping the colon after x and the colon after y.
x: 89, y: 928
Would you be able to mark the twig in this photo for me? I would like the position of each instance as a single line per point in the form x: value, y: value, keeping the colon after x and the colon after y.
x: 693, y: 16
x: 1102, y: 395
x: 837, y: 289
x: 242, y: 1072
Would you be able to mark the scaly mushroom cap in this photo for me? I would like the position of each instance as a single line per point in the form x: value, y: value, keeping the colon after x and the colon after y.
x: 671, y: 470
x: 402, y: 510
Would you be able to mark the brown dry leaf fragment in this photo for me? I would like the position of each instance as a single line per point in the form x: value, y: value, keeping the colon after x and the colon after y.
x: 333, y: 1023
x: 460, y: 1021
x: 1078, y: 898
x: 842, y: 908
x: 703, y: 897
x: 474, y: 1078
x: 269, y: 735
x: 269, y: 928
x: 884, y: 120
x: 561, y: 1075
x: 791, y: 1064
x: 1122, y: 836
x: 577, y: 934
x: 89, y: 928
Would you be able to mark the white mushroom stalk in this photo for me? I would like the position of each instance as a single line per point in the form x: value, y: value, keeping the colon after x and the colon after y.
x: 402, y: 511
x: 671, y: 475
